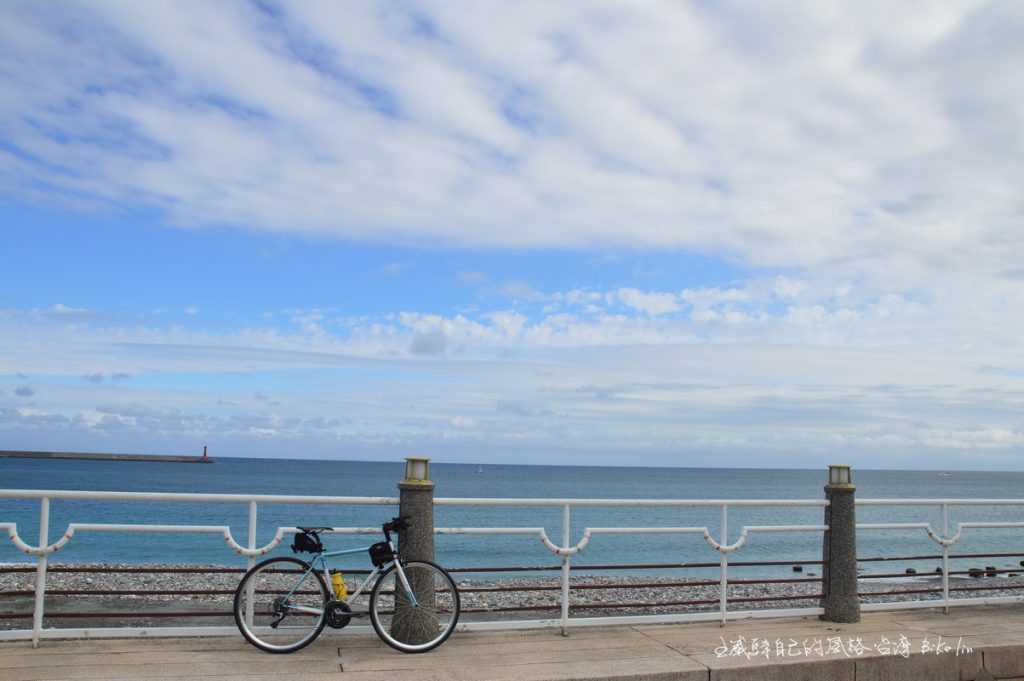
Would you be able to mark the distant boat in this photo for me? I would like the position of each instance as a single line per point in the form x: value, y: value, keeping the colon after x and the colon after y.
x: 479, y: 469
x: 945, y: 475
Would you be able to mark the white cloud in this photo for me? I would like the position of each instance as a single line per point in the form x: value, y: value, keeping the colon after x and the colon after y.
x: 521, y: 291
x: 806, y: 136
x: 867, y: 151
x: 788, y: 288
x: 61, y: 309
x: 705, y: 297
x: 651, y: 303
x: 881, y: 376
x: 463, y: 423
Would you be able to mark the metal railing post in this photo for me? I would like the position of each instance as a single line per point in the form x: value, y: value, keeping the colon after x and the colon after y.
x: 40, y: 592
x: 251, y: 589
x: 945, y: 559
x: 723, y: 567
x: 566, y: 538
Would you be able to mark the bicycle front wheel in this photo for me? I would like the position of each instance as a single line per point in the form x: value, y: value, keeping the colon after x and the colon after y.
x: 280, y: 605
x: 419, y: 627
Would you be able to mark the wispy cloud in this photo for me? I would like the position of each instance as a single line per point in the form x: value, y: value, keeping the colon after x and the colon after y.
x: 854, y: 167
x: 760, y: 366
x: 652, y: 303
x: 539, y: 124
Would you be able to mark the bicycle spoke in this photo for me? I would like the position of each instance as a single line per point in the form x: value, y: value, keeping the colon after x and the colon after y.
x: 280, y: 609
x: 415, y: 628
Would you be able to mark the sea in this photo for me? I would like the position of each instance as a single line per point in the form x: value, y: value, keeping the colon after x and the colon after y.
x: 359, y: 478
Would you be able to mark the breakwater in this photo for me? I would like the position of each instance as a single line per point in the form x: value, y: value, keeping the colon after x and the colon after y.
x: 99, y: 456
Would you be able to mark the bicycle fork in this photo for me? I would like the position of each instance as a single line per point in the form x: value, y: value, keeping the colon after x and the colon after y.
x: 405, y: 584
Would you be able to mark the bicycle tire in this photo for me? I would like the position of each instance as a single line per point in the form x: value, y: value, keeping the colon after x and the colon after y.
x: 255, y: 573
x: 415, y: 570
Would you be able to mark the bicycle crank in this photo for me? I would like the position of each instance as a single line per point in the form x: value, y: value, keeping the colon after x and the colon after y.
x: 338, y: 614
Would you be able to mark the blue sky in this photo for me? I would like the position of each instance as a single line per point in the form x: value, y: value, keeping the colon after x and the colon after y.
x: 240, y: 275
x: 664, y: 234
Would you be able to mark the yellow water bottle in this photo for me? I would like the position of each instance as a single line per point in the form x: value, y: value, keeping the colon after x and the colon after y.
x: 338, y: 582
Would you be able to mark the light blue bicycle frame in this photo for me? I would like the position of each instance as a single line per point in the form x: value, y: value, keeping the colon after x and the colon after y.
x: 322, y: 557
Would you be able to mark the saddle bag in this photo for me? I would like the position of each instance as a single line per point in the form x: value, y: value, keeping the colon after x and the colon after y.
x: 307, y: 543
x: 380, y: 554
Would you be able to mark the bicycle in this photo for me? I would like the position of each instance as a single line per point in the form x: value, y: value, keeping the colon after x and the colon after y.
x: 282, y: 604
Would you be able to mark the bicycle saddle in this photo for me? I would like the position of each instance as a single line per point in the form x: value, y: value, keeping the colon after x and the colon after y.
x: 313, y: 530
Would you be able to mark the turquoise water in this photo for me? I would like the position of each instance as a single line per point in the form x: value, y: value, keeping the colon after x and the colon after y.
x: 343, y: 478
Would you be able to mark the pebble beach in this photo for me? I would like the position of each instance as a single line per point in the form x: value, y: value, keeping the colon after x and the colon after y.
x: 534, y: 597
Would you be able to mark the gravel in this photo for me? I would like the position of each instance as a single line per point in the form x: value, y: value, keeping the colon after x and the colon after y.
x: 648, y: 594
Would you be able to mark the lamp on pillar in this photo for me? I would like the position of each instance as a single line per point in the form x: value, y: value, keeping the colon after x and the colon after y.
x: 839, y: 475
x: 417, y: 470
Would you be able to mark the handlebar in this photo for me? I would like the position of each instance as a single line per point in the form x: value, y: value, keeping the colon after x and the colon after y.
x: 397, y: 524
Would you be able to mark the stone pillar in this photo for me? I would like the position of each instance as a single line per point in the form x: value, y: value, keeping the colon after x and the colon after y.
x: 839, y: 549
x: 416, y: 500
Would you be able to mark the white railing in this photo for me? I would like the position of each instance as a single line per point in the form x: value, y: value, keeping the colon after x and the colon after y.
x: 566, y: 550
x: 44, y: 548
x: 944, y: 540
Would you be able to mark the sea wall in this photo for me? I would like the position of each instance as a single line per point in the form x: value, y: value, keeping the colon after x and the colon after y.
x: 96, y: 456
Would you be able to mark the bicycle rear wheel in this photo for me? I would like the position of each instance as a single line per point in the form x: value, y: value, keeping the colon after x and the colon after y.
x: 280, y: 605
x: 425, y: 626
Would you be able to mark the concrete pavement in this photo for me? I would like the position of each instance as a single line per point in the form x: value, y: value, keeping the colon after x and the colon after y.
x: 969, y: 644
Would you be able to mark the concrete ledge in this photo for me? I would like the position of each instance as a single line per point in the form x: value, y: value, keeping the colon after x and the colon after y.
x: 971, y: 644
